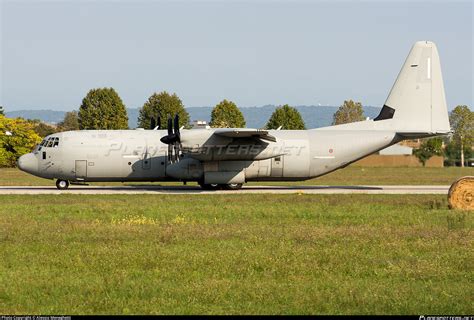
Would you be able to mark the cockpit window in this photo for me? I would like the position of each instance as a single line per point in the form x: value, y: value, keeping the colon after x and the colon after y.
x: 51, y: 142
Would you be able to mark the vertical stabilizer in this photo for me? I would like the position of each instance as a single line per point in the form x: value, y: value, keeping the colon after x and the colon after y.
x: 417, y: 101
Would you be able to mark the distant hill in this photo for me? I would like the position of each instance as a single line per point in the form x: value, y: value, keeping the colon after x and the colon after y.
x: 255, y: 117
x: 49, y: 116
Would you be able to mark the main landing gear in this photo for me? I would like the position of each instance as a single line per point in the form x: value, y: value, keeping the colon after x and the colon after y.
x: 215, y: 186
x: 62, y: 184
x: 232, y: 186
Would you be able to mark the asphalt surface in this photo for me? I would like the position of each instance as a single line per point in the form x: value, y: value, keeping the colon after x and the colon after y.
x: 151, y: 189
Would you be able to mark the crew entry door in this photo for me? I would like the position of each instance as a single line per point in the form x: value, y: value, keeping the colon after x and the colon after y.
x: 277, y: 166
x: 81, y: 169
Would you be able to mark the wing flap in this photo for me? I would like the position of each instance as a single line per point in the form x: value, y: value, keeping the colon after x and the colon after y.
x: 245, y: 133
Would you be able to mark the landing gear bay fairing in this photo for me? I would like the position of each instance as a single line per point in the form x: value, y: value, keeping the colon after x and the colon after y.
x: 227, y: 158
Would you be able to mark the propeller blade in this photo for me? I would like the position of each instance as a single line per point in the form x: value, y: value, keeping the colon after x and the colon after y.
x: 176, y: 151
x: 152, y: 123
x: 170, y: 126
x: 176, y: 127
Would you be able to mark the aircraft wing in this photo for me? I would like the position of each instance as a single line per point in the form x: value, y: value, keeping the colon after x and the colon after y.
x: 245, y: 133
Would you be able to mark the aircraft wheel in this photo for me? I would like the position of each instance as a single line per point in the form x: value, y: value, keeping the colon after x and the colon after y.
x: 210, y: 186
x: 232, y: 186
x: 62, y: 184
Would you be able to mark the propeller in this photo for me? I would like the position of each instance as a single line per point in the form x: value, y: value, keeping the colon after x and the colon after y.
x: 173, y: 138
x: 173, y: 135
x: 155, y: 123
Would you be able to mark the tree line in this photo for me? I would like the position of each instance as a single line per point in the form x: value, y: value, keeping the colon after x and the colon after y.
x: 103, y: 109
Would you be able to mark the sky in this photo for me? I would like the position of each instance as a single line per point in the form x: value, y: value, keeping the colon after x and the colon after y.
x: 251, y: 52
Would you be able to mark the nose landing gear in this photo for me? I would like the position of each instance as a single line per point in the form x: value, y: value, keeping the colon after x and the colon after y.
x: 62, y: 184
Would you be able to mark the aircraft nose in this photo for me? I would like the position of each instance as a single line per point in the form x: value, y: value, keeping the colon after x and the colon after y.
x: 28, y: 163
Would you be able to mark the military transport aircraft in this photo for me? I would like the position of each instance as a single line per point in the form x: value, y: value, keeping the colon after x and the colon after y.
x: 227, y: 158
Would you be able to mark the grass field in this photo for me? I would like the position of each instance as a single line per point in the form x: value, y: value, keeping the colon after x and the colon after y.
x: 213, y: 254
x: 348, y: 176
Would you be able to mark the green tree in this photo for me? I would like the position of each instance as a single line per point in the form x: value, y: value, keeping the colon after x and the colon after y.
x: 429, y: 148
x: 227, y: 115
x: 462, y: 124
x: 452, y: 153
x: 2, y: 111
x: 287, y: 117
x: 70, y: 122
x: 102, y: 108
x: 349, y: 111
x: 162, y: 105
x: 17, y: 137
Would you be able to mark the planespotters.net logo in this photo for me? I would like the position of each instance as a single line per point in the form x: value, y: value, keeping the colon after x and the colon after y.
x: 446, y: 318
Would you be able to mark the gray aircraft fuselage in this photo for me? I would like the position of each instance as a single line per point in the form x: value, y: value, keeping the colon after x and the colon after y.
x: 138, y: 155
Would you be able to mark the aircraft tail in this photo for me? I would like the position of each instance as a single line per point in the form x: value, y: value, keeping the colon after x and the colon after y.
x: 417, y: 103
